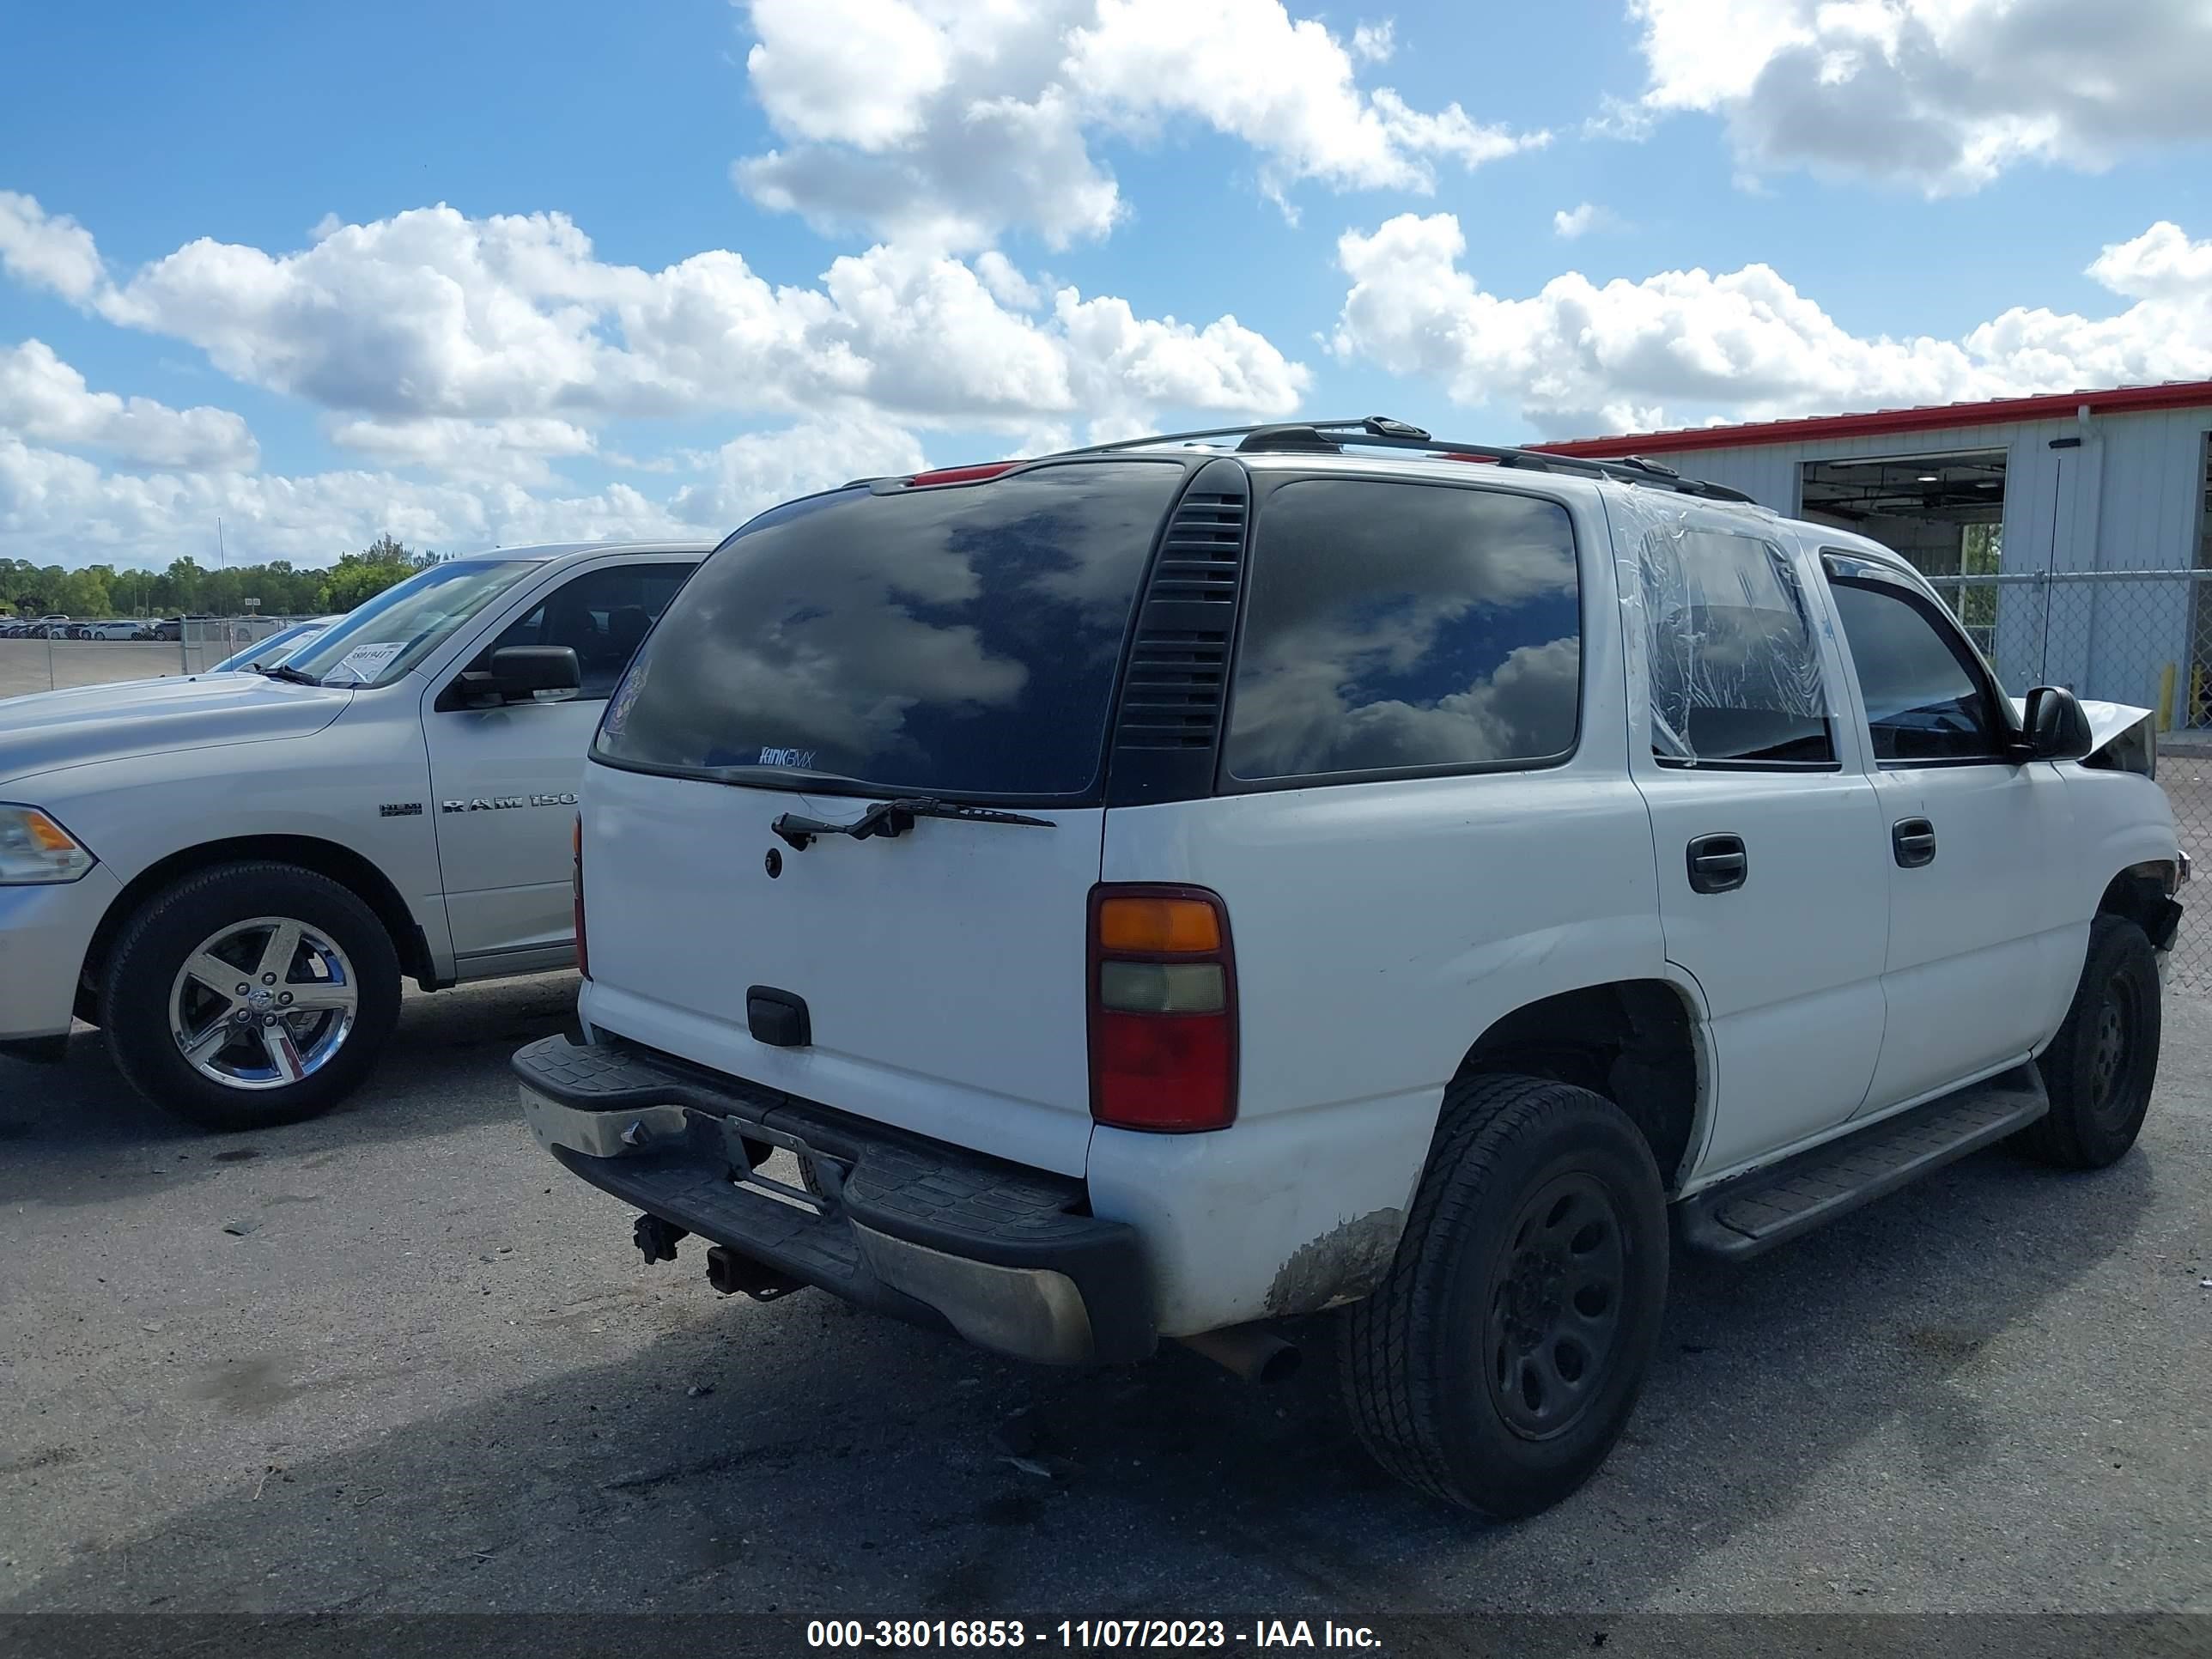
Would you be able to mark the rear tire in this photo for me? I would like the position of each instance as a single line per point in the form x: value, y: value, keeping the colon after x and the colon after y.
x: 1504, y: 1352
x: 317, y: 1014
x: 2099, y: 1068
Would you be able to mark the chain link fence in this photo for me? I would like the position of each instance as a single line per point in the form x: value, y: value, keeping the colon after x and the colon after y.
x: 2134, y: 636
x: 208, y: 639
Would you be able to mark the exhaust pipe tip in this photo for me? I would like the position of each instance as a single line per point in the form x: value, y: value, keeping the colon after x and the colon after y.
x: 1250, y: 1351
x: 1280, y: 1364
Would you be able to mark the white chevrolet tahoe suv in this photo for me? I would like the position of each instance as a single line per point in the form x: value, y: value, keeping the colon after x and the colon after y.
x: 230, y: 873
x: 1156, y: 890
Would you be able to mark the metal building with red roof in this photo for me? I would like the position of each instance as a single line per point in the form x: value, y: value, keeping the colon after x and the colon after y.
x: 2069, y: 528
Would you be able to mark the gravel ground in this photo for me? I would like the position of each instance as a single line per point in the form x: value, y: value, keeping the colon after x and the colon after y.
x: 396, y: 1361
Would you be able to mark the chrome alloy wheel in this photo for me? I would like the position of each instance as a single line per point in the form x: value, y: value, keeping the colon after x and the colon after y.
x: 262, y: 1004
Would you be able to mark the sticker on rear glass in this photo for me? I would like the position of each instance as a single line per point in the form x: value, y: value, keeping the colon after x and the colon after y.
x: 624, y: 699
x: 365, y: 662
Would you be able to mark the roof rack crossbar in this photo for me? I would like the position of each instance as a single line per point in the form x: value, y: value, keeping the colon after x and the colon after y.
x: 1380, y: 432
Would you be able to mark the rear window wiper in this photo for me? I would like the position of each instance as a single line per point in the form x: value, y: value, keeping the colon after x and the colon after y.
x: 893, y: 818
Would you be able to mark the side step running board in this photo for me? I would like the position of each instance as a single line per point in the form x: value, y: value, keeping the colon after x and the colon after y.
x: 1756, y: 1210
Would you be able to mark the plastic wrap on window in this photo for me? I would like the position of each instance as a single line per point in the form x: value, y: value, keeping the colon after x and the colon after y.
x: 1720, y: 616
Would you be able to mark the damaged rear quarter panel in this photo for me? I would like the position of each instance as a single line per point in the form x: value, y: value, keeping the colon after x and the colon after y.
x: 1342, y: 1264
x: 1285, y: 1213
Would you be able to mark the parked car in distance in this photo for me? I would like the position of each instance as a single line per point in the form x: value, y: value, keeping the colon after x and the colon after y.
x: 1163, y: 889
x: 267, y: 652
x: 230, y: 873
x: 111, y: 628
x: 169, y: 628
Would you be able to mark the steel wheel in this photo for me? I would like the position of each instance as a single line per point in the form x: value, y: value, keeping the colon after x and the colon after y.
x: 2112, y: 1043
x: 1555, y: 1306
x: 263, y: 1003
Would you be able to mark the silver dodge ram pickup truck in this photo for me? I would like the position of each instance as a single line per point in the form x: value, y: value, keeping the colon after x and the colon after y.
x: 231, y: 873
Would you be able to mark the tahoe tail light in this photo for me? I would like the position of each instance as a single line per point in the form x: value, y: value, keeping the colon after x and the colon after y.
x: 1162, y: 1000
x: 576, y: 890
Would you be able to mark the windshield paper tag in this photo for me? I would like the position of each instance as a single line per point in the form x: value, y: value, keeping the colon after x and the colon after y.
x: 799, y: 760
x: 365, y: 662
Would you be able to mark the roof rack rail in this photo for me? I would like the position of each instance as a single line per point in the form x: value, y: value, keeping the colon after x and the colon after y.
x: 1380, y: 431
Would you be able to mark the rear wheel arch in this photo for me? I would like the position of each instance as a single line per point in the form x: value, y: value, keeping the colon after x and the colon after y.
x: 341, y: 864
x: 1638, y: 1042
x: 1538, y: 1194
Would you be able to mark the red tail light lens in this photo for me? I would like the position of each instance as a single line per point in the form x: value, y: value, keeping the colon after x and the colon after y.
x: 1162, y: 1000
x: 576, y: 888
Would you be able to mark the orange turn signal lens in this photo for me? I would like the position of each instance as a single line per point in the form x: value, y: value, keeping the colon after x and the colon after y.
x: 46, y: 835
x: 1160, y: 927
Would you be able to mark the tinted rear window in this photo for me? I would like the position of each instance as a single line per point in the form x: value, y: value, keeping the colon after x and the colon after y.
x: 959, y: 641
x: 1399, y: 627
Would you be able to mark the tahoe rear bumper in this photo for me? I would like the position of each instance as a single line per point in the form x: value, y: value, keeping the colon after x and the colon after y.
x: 1007, y: 1257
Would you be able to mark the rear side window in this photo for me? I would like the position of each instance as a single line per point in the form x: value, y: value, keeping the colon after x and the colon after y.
x: 1734, y: 667
x: 956, y: 641
x: 1399, y: 627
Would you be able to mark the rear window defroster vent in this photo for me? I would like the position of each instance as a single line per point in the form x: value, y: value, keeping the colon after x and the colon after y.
x: 1169, y: 723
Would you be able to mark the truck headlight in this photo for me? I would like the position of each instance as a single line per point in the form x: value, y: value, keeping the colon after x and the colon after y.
x: 34, y: 849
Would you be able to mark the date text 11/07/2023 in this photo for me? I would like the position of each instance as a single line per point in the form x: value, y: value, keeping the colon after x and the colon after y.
x: 1087, y: 1634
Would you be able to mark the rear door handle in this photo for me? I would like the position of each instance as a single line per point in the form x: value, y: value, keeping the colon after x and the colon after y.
x: 1913, y: 841
x: 1717, y: 864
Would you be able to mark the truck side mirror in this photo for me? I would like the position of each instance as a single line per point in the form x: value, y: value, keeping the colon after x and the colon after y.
x: 522, y: 674
x: 2057, y: 727
x: 549, y: 674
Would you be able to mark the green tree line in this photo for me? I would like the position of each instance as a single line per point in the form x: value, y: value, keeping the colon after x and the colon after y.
x: 189, y: 588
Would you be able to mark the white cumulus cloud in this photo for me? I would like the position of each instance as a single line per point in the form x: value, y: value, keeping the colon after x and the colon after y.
x: 466, y: 361
x: 861, y: 72
x: 46, y: 251
x: 945, y: 121
x: 65, y: 508
x: 1583, y: 218
x: 1373, y: 43
x: 1939, y: 94
x: 44, y: 399
x: 1578, y: 358
x: 2161, y: 263
x: 519, y: 450
x: 750, y: 474
x: 479, y: 327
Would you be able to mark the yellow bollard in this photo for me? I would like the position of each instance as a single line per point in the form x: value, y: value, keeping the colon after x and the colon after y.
x: 2165, y: 699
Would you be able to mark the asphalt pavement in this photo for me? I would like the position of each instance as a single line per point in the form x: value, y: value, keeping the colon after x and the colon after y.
x: 396, y: 1360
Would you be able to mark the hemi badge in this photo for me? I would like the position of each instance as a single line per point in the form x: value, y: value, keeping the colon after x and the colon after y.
x: 400, y: 809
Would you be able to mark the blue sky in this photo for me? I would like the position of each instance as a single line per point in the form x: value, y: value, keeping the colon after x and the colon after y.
x: 496, y: 273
